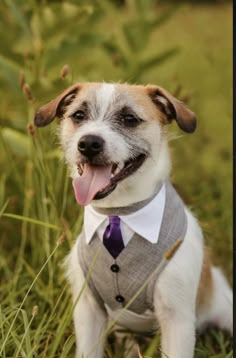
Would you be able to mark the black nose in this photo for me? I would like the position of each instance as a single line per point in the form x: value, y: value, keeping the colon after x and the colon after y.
x: 90, y: 145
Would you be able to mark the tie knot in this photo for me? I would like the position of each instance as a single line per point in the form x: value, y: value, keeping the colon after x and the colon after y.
x: 114, y: 220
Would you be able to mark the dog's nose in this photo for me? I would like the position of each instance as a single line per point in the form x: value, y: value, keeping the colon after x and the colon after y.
x: 90, y: 145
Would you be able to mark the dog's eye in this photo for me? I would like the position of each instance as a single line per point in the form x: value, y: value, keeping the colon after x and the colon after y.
x: 130, y: 120
x: 78, y: 116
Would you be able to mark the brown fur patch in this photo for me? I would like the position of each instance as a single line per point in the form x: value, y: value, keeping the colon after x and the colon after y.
x: 205, y: 288
x: 140, y: 95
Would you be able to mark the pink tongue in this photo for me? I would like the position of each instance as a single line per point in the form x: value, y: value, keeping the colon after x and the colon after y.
x: 90, y: 182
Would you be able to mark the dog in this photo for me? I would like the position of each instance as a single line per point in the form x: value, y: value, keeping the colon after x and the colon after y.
x: 115, y: 142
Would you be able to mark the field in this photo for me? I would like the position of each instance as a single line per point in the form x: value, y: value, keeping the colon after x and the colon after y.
x: 184, y: 47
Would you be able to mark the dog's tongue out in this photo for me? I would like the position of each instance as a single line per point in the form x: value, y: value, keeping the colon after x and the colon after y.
x: 93, y: 180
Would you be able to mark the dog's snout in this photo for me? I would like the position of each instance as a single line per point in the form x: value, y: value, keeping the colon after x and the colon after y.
x: 90, y: 145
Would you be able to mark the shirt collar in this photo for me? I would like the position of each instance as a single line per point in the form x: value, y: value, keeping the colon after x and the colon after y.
x: 146, y: 222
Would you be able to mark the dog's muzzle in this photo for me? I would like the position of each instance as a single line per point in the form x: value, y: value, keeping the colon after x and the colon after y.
x: 97, y: 175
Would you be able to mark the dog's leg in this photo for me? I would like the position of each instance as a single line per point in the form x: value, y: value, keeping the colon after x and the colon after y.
x: 177, y: 333
x: 89, y: 318
x: 218, y: 310
x: 90, y: 323
x: 222, y: 303
x: 177, y: 324
x: 175, y: 296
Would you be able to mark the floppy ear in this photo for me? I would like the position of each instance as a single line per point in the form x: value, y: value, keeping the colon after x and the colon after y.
x: 173, y: 108
x: 54, y: 108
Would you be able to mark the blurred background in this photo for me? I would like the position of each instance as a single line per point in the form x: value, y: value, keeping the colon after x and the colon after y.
x: 183, y: 46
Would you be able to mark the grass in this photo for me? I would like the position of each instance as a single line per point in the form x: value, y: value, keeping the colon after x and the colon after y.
x: 189, y: 52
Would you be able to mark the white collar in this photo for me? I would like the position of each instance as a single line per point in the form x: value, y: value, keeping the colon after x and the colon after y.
x: 146, y: 222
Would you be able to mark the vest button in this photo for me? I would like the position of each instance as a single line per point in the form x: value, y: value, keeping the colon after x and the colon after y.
x: 115, y: 268
x: 120, y: 298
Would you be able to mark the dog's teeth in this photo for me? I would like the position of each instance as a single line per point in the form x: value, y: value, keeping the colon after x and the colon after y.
x: 118, y: 168
x: 114, y: 167
x: 80, y: 169
x: 116, y: 171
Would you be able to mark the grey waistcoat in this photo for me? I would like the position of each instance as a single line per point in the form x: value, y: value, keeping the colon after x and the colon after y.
x: 135, y: 263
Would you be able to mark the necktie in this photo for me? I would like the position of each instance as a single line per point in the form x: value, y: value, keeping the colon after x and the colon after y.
x: 112, y: 238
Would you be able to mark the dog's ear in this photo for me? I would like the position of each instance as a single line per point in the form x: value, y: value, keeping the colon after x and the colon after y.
x: 55, y: 107
x: 173, y: 108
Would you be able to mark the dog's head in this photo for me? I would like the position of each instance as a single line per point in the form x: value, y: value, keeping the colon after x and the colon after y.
x: 113, y: 138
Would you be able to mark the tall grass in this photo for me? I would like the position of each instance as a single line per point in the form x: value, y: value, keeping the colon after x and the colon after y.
x: 140, y: 42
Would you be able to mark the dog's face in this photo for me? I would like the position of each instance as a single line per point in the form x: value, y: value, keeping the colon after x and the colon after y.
x: 114, y: 140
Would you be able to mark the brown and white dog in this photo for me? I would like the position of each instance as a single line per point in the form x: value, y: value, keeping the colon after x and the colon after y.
x: 115, y: 142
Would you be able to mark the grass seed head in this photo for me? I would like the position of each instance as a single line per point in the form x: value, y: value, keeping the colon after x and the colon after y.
x: 61, y: 239
x: 170, y: 253
x: 31, y: 129
x: 27, y: 92
x: 35, y: 310
x: 64, y: 71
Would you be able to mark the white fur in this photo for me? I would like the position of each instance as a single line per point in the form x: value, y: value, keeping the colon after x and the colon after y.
x: 119, y: 151
x: 175, y: 294
x: 176, y: 288
x: 113, y: 142
x: 89, y: 319
x: 104, y: 96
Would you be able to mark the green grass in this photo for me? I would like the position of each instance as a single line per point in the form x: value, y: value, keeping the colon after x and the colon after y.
x: 186, y: 49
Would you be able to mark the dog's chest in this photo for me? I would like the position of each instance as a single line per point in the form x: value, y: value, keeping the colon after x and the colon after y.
x: 115, y: 282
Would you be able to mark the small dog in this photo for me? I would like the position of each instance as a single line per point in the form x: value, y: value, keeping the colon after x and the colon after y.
x: 115, y: 142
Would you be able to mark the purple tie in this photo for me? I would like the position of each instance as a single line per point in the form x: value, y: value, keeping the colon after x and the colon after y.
x: 112, y: 238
